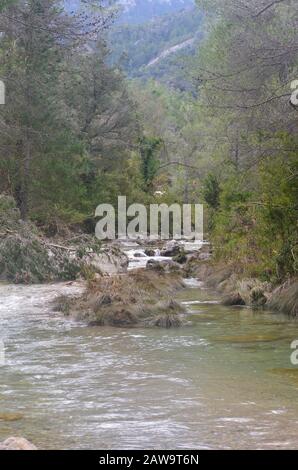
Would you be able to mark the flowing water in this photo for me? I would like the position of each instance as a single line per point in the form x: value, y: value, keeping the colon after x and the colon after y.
x: 225, y: 380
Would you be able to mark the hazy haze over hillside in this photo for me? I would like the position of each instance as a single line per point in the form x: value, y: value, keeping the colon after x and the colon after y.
x: 156, y: 48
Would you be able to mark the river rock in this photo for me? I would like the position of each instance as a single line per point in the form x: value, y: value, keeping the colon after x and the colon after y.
x: 285, y: 298
x: 233, y: 299
x: 164, y: 266
x: 172, y: 248
x: 204, y: 256
x: 139, y: 254
x: 167, y: 320
x: 149, y: 252
x: 110, y: 260
x: 117, y: 316
x: 17, y: 443
x: 11, y: 416
x: 258, y: 297
x: 181, y: 258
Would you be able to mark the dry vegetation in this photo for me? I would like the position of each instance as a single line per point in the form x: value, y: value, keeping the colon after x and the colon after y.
x: 140, y: 298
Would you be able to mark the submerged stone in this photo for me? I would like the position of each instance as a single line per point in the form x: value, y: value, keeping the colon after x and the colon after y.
x: 258, y: 297
x: 289, y: 374
x: 181, y: 258
x: 149, y: 252
x: 167, y: 320
x: 233, y: 299
x: 247, y: 338
x: 10, y: 416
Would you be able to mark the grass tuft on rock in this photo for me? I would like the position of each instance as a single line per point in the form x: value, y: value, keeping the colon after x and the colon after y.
x: 285, y: 298
x: 140, y: 298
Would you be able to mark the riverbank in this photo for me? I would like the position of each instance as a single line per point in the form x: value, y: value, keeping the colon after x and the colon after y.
x: 143, y: 296
x: 28, y: 256
x: 236, y: 289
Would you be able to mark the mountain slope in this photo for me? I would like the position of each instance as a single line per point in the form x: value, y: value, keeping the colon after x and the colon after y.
x: 155, y: 49
x: 153, y: 38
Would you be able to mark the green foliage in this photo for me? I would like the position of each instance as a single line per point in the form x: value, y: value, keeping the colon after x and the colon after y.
x: 258, y: 229
x: 71, y: 127
x: 24, y: 261
x: 76, y: 135
x: 248, y: 123
x: 149, y: 148
x: 211, y: 191
x: 6, y: 3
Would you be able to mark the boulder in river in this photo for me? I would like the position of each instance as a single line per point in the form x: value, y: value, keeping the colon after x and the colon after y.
x: 164, y: 266
x: 139, y: 254
x: 167, y: 320
x: 181, y: 258
x: 10, y: 416
x: 233, y: 298
x: 149, y: 252
x: 115, y: 316
x: 285, y: 298
x: 258, y: 297
x: 17, y: 443
x: 172, y: 248
x: 109, y: 259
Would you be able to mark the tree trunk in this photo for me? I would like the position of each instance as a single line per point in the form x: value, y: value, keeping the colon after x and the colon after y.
x: 24, y: 183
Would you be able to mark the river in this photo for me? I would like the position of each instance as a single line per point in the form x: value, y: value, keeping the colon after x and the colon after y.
x: 222, y: 381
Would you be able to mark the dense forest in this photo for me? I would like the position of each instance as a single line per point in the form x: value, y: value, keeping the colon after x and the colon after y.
x: 249, y: 129
x: 235, y: 141
x: 76, y: 132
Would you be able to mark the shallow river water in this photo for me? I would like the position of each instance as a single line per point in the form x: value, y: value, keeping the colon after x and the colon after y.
x: 225, y: 380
